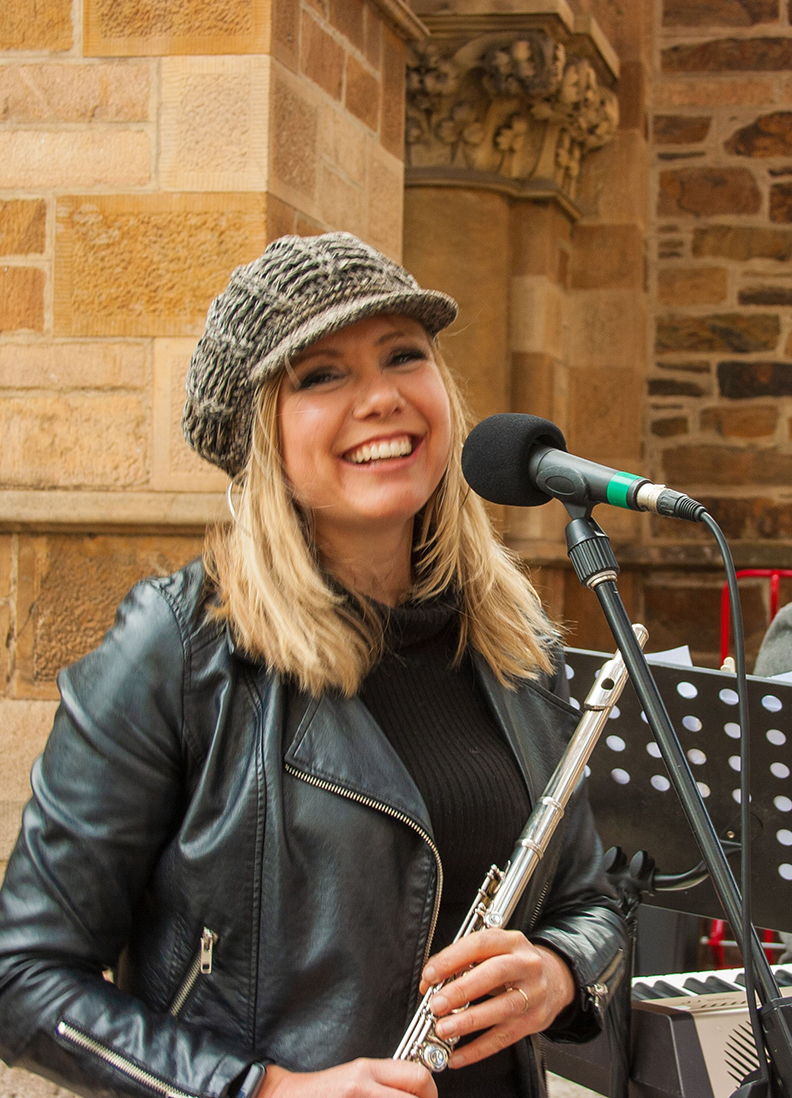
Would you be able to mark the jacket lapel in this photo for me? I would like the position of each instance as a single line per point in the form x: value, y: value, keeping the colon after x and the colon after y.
x: 536, y: 723
x: 339, y: 742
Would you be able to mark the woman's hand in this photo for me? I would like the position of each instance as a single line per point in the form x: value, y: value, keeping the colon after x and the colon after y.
x: 528, y: 986
x: 358, y: 1079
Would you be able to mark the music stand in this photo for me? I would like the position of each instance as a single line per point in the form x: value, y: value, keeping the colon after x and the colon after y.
x: 636, y: 808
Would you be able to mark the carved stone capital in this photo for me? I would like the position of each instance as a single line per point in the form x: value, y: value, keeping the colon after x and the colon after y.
x: 514, y: 108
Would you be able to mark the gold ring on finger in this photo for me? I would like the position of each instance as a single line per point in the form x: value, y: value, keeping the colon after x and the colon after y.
x: 520, y: 991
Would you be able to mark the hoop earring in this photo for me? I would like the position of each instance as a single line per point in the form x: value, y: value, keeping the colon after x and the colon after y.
x: 230, y: 500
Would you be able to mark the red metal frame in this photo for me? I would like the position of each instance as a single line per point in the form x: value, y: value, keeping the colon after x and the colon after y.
x: 717, y: 943
x: 774, y: 575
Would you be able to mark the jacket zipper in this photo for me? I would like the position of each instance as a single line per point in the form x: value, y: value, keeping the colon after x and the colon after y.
x: 370, y: 802
x: 120, y: 1063
x: 599, y: 990
x: 201, y: 966
x: 539, y: 902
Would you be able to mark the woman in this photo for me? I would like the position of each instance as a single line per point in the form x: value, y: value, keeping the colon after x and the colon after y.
x: 256, y: 785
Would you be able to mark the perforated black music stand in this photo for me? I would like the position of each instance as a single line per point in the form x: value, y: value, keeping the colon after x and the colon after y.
x: 636, y: 807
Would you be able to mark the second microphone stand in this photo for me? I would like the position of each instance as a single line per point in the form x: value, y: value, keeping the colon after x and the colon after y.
x: 596, y: 567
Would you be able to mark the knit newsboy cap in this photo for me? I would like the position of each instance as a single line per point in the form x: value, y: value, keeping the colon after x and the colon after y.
x: 300, y: 289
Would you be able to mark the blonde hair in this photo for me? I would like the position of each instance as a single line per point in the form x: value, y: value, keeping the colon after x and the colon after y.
x: 285, y: 610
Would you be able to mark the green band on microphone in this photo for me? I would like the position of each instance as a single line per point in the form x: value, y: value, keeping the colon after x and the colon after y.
x: 618, y: 487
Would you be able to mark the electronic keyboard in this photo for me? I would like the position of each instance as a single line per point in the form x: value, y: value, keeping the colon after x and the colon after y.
x: 691, y: 1037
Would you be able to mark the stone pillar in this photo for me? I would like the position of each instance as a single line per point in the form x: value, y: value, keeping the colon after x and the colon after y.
x: 504, y: 111
x: 459, y: 240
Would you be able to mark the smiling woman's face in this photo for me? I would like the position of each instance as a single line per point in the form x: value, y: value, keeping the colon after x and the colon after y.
x: 365, y: 425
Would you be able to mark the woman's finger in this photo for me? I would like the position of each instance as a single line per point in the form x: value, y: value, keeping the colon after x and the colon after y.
x: 470, y: 950
x: 362, y: 1078
x: 488, y: 978
x: 494, y: 1040
x: 404, y: 1077
x: 524, y: 966
x: 511, y: 1005
x: 518, y: 1010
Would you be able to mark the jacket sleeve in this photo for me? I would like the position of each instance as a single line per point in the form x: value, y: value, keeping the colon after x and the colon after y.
x: 581, y: 921
x: 580, y: 918
x: 107, y: 794
x: 775, y: 654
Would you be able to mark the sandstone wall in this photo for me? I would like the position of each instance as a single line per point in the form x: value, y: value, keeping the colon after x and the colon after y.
x: 610, y: 335
x: 688, y: 204
x: 145, y: 151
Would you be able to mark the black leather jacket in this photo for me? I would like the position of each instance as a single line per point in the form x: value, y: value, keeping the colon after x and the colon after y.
x: 252, y: 904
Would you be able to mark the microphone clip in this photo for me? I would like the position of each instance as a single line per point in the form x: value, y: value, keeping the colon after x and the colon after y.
x: 589, y: 547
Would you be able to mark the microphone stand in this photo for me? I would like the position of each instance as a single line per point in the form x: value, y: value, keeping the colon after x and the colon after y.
x: 596, y: 567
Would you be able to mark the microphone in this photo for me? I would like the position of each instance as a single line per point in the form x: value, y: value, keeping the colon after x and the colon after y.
x: 523, y: 461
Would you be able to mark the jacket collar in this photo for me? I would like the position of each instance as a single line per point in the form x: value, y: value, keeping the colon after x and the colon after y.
x: 340, y: 743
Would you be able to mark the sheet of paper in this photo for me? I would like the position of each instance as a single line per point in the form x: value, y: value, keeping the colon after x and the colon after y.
x: 679, y: 657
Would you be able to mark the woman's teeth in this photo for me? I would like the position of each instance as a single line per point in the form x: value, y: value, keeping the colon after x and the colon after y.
x: 378, y: 451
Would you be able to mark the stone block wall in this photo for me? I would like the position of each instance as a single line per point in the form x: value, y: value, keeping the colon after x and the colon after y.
x: 145, y: 151
x: 666, y: 342
x: 607, y: 325
x: 142, y: 157
x: 719, y: 388
x: 651, y: 321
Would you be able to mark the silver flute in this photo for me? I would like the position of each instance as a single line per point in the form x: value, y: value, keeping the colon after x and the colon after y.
x: 501, y: 889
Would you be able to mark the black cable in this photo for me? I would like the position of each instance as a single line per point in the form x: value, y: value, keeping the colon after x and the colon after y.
x: 745, y: 789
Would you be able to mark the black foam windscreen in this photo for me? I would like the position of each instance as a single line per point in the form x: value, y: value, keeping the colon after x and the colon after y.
x: 495, y: 457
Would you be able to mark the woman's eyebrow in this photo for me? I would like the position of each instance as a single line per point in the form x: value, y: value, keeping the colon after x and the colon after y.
x: 398, y: 333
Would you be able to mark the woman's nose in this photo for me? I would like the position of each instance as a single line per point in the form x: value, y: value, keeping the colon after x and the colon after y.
x: 380, y: 396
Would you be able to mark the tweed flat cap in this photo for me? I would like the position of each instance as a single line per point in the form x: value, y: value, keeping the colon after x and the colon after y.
x: 300, y: 289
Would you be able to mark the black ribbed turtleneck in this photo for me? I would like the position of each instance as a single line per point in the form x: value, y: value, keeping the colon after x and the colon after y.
x: 436, y: 718
x: 440, y: 725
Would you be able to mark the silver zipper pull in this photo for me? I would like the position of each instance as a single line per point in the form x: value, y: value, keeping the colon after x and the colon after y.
x: 208, y: 939
x: 598, y: 994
